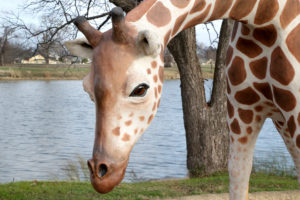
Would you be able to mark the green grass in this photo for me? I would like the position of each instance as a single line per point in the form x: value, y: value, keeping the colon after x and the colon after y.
x: 28, y: 72
x: 217, y: 183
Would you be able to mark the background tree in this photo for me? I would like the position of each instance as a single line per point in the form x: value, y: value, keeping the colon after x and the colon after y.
x: 207, y: 134
x: 5, y: 36
x: 56, y: 23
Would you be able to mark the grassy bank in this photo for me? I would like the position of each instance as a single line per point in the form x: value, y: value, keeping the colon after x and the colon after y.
x: 217, y: 183
x: 68, y: 72
x: 45, y: 72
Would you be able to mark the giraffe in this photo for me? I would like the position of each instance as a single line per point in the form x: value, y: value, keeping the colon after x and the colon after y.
x: 126, y: 78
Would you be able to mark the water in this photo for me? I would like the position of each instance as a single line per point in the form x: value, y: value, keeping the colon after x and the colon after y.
x: 43, y: 124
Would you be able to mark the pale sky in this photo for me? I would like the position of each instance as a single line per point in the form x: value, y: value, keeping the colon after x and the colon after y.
x: 15, y: 5
x: 9, y: 5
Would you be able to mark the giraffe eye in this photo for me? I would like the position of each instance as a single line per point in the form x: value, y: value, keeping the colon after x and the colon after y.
x: 140, y: 90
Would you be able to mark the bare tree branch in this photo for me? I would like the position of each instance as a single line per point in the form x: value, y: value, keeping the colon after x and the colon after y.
x: 104, y: 22
x: 53, y: 27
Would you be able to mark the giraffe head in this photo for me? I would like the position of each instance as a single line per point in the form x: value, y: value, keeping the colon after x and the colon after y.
x: 125, y: 82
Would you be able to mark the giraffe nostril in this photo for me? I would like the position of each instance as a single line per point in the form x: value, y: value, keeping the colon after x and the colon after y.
x: 102, y: 170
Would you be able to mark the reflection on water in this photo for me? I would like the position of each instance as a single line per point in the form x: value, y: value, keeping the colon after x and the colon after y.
x: 45, y: 123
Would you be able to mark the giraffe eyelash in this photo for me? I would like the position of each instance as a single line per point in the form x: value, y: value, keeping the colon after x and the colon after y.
x: 140, y: 90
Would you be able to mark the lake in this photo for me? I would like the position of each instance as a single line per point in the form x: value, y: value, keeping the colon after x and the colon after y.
x: 45, y: 124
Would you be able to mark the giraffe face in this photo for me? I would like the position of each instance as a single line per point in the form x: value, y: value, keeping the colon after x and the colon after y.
x: 126, y: 86
x: 126, y: 98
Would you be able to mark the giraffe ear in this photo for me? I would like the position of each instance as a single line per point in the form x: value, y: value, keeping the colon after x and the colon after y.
x: 80, y: 47
x: 147, y: 41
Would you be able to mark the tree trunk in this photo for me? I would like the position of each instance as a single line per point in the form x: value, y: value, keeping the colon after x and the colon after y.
x: 206, y: 128
x: 47, y: 59
x: 1, y: 59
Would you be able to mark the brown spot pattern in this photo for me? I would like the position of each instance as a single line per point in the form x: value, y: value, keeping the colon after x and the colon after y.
x: 232, y: 139
x: 230, y: 109
x: 153, y: 64
x: 139, y: 12
x: 290, y: 11
x: 198, y: 6
x: 249, y: 130
x: 126, y: 137
x: 155, y: 92
x: 281, y: 69
x: 150, y: 119
x: 258, y: 118
x: 141, y: 131
x: 228, y: 87
x: 154, y: 106
x: 229, y: 55
x: 293, y: 42
x: 258, y: 108
x: 292, y: 126
x: 259, y: 68
x: 162, y: 53
x: 248, y: 47
x: 148, y: 71
x: 266, y: 11
x: 284, y: 98
x: 142, y: 118
x: 264, y: 89
x: 234, y: 30
x: 128, y: 123
x: 235, y: 127
x: 116, y: 131
x: 161, y: 74
x: 241, y: 8
x: 159, y: 15
x: 243, y: 140
x: 180, y: 3
x: 158, y: 103
x: 245, y: 30
x: 198, y: 19
x: 237, y: 73
x: 220, y: 9
x: 246, y: 115
x: 298, y: 141
x: 159, y: 89
x: 277, y: 126
x: 247, y: 96
x: 298, y: 119
x: 178, y: 23
x: 155, y: 78
x: 266, y: 35
x: 135, y: 131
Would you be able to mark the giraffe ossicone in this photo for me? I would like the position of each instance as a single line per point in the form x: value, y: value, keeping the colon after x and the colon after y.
x: 126, y: 78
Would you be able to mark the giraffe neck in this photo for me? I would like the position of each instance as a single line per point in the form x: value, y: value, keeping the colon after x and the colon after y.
x: 166, y: 18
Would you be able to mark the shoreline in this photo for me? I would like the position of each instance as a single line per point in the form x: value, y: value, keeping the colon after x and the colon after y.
x: 61, y: 72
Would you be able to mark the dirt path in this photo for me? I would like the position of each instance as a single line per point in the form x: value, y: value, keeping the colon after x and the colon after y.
x: 285, y: 195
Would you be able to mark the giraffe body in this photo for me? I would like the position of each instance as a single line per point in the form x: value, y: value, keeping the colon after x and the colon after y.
x: 263, y: 76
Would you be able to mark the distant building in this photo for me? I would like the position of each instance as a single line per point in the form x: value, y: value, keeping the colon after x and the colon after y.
x: 39, y: 59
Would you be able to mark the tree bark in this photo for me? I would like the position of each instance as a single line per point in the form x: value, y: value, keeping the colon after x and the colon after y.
x: 1, y: 59
x: 207, y: 135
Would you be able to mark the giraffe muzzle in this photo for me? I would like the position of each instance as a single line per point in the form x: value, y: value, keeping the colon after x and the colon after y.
x: 105, y: 176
